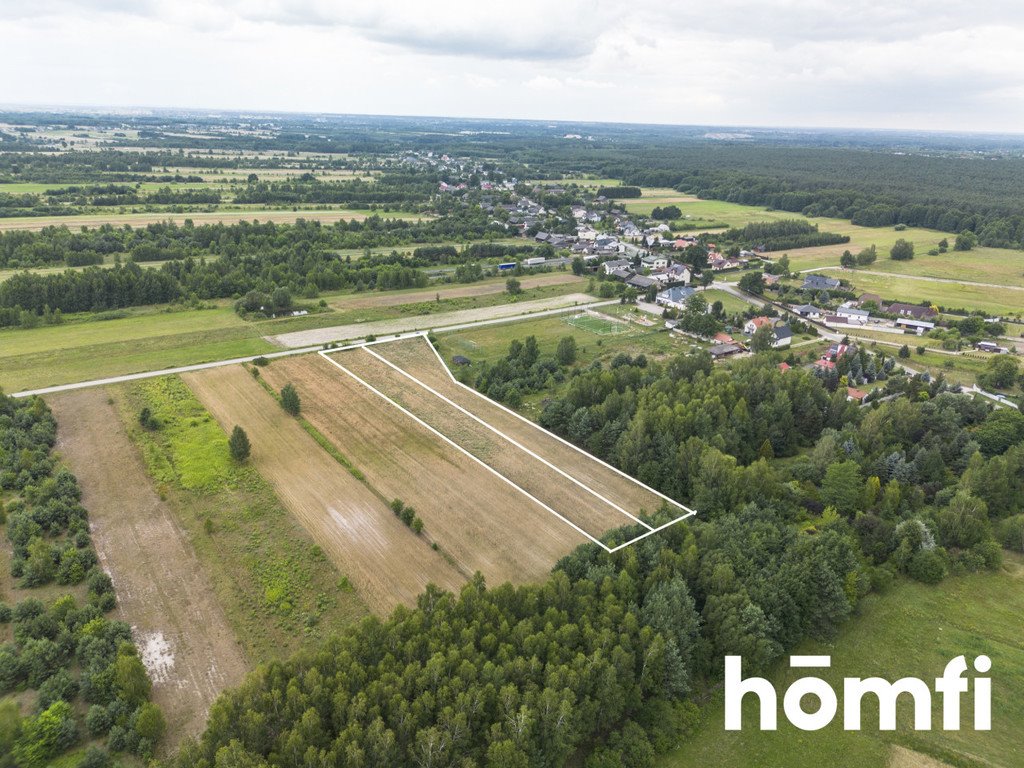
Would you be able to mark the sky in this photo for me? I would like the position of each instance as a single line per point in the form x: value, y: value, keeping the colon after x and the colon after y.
x: 922, y: 64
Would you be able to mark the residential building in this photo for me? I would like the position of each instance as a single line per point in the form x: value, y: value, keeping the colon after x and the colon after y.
x: 674, y: 298
x: 815, y: 282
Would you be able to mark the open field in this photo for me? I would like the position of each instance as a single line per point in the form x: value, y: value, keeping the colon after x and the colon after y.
x: 994, y: 265
x: 416, y: 323
x: 33, y: 223
x: 386, y: 562
x: 591, y: 514
x: 277, y: 587
x: 114, y: 357
x: 418, y: 359
x: 489, y: 343
x: 152, y: 338
x: 656, y: 197
x: 482, y: 288
x: 469, y: 512
x: 997, y: 301
x: 913, y: 630
x: 179, y: 625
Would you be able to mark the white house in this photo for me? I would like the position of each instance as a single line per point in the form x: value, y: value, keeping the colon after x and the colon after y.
x: 655, y: 261
x: 675, y: 298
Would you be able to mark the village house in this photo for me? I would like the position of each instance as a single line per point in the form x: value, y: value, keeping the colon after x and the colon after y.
x: 641, y: 282
x: 724, y: 350
x: 916, y: 311
x: 674, y: 298
x: 611, y: 266
x: 655, y: 262
x: 819, y: 283
x: 751, y: 326
x: 783, y: 336
x: 852, y: 315
x: 809, y: 310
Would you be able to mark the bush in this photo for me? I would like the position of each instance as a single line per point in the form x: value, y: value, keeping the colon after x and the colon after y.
x: 1010, y: 533
x: 290, y: 400
x: 97, y: 720
x: 147, y: 420
x: 238, y: 444
x: 261, y: 362
x: 927, y: 566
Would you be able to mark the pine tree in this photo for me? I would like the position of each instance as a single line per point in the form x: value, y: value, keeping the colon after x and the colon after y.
x: 239, y: 444
x: 290, y: 400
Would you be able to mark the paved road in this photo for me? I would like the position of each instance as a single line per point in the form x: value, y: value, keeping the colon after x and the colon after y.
x: 307, y: 349
x: 499, y: 313
x: 923, y: 278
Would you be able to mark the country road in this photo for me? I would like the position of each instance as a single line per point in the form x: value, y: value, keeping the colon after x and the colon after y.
x: 360, y: 332
x: 537, y: 308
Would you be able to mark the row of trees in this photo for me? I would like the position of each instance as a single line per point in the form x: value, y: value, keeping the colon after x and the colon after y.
x: 89, y: 681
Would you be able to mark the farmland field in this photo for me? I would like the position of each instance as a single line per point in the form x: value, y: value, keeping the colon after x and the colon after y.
x: 386, y: 562
x: 417, y: 358
x: 911, y: 631
x: 187, y: 643
x: 223, y: 216
x: 997, y: 301
x: 468, y: 511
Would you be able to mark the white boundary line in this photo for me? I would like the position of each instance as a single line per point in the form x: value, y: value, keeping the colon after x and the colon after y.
x: 517, y: 444
x: 562, y: 440
x: 326, y: 354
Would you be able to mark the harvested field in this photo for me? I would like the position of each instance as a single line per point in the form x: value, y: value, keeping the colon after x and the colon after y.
x: 416, y: 357
x: 418, y: 322
x: 388, y: 564
x: 549, y: 482
x: 35, y: 223
x: 467, y: 510
x: 184, y: 638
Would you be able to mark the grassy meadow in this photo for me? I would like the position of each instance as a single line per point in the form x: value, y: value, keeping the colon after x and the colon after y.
x: 913, y: 630
x: 277, y: 587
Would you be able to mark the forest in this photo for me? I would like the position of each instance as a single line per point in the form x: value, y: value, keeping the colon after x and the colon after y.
x: 599, y: 665
x: 83, y: 668
x: 220, y: 261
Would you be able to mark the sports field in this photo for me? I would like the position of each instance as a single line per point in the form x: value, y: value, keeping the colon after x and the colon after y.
x: 602, y: 325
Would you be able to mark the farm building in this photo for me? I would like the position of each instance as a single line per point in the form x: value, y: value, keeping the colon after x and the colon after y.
x: 910, y: 310
x: 917, y: 326
x: 991, y: 346
x: 724, y: 350
x: 461, y: 360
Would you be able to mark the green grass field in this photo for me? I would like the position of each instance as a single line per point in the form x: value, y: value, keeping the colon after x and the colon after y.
x: 911, y: 631
x: 598, y: 325
x: 278, y: 589
x: 997, y: 301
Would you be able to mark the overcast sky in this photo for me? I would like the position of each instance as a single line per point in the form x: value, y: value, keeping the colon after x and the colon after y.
x: 940, y: 64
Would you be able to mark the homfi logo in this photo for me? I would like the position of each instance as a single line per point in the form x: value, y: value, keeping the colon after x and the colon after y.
x: 951, y: 686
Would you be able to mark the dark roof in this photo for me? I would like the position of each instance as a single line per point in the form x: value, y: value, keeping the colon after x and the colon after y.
x: 460, y: 360
x: 721, y: 350
x: 916, y: 310
x: 783, y: 332
x: 820, y: 282
x: 641, y: 281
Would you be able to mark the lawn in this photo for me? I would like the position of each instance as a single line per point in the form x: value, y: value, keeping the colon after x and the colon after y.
x: 730, y: 303
x: 913, y: 630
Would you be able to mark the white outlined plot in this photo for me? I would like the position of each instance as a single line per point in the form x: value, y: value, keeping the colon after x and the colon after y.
x: 514, y: 445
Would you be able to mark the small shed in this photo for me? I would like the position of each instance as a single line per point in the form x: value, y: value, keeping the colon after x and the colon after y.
x: 461, y: 360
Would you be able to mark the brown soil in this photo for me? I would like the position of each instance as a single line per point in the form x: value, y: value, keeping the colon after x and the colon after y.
x: 388, y: 564
x: 183, y: 636
x: 480, y: 521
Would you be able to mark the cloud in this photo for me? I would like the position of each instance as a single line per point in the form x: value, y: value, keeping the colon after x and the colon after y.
x: 870, y: 63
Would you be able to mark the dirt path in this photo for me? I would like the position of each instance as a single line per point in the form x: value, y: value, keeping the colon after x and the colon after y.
x: 467, y: 510
x: 186, y: 643
x: 388, y: 564
x: 422, y: 322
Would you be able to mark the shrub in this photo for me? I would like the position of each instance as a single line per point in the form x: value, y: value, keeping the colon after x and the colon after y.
x: 927, y: 566
x: 238, y: 444
x: 290, y: 400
